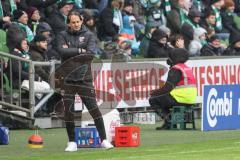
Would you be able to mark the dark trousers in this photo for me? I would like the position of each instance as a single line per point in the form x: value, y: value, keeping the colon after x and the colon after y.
x: 87, y: 94
x: 162, y: 105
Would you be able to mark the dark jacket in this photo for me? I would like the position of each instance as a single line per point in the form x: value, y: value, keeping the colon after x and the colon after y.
x: 38, y: 54
x: 106, y: 28
x: 6, y: 11
x: 83, y: 39
x: 15, y: 71
x: 232, y: 50
x: 228, y: 23
x: 42, y: 5
x: 177, y: 55
x: 57, y: 22
x: 173, y: 18
x: 156, y: 49
x: 210, y: 50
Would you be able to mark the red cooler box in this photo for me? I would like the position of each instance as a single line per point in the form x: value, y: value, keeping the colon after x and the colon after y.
x: 127, y: 136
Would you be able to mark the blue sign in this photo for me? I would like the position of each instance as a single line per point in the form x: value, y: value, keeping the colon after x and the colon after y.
x: 221, y: 107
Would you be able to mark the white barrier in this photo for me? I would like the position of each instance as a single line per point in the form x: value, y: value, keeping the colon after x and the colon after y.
x: 128, y: 84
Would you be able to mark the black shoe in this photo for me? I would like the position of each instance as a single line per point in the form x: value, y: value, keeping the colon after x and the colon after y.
x: 165, y: 126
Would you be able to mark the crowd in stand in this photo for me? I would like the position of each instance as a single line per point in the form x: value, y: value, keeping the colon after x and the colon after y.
x: 133, y: 28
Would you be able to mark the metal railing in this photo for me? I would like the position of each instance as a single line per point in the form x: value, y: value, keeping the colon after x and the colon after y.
x: 11, y: 98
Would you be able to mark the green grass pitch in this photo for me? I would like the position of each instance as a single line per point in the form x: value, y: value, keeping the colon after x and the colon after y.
x: 155, y: 145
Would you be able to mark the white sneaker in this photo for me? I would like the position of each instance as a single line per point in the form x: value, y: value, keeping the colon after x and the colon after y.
x: 106, y: 144
x: 71, y: 147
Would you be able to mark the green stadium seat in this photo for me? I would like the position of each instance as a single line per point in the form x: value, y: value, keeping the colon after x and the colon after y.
x: 181, y: 116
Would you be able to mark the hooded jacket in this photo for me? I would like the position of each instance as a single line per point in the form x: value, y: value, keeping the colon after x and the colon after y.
x: 156, y: 49
x: 177, y: 55
x: 38, y: 54
x: 195, y: 46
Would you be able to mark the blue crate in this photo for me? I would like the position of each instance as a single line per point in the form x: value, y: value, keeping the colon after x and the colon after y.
x: 87, y: 137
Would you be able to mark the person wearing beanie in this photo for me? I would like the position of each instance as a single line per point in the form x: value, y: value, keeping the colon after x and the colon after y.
x: 33, y: 18
x: 37, y: 52
x: 58, y: 19
x: 213, y: 47
x: 228, y: 16
x: 194, y: 17
x: 21, y: 20
x: 44, y: 6
x: 175, y: 91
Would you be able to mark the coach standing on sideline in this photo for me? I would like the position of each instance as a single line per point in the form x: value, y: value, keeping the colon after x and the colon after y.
x: 74, y: 41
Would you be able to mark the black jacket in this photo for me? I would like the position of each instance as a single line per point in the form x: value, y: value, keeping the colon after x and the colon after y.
x: 228, y: 23
x: 15, y: 71
x: 38, y: 54
x: 57, y: 22
x: 209, y: 50
x: 106, y: 28
x: 176, y: 56
x: 83, y: 39
x: 157, y: 50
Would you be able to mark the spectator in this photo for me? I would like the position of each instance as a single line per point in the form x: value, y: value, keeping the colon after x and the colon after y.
x: 58, y: 19
x: 158, y: 47
x: 228, y: 17
x: 44, y: 29
x: 177, y: 41
x: 110, y: 21
x: 151, y: 26
x: 37, y: 52
x: 21, y: 21
x: 41, y: 5
x: 127, y: 32
x: 234, y: 47
x: 33, y: 18
x: 198, y: 41
x: 5, y: 13
x: 177, y: 16
x: 194, y: 18
x: 209, y: 20
x: 213, y: 48
x: 18, y: 46
x: 187, y: 33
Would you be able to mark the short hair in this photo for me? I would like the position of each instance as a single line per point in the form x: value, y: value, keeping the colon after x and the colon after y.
x: 209, y: 12
x: 75, y: 13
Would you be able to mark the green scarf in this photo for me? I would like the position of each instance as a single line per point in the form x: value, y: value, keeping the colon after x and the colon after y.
x: 192, y: 24
x: 1, y: 9
x: 167, y: 6
x: 28, y: 31
x: 183, y: 16
x: 13, y: 6
x: 218, y: 18
x: 25, y: 65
